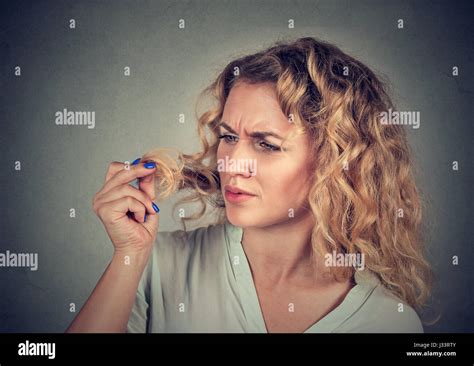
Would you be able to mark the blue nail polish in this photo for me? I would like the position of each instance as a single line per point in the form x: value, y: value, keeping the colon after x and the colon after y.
x: 155, y: 207
x: 136, y: 161
x: 150, y: 165
x: 144, y: 220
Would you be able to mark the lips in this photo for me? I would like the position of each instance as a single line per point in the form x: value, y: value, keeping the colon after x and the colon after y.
x: 237, y: 190
x: 235, y: 195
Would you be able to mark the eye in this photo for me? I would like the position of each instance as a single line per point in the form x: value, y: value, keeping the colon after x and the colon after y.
x: 228, y: 138
x: 265, y: 146
x: 269, y: 147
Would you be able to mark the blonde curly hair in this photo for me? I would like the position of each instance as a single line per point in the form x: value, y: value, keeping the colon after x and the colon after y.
x: 362, y: 178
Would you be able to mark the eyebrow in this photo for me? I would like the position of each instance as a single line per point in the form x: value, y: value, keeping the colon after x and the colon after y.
x: 256, y: 134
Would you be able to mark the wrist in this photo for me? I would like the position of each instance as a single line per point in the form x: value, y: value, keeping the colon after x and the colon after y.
x: 132, y: 258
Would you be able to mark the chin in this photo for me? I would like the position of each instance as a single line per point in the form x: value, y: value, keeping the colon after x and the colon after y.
x: 240, y: 217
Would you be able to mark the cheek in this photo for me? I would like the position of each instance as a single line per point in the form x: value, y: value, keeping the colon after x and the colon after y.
x: 223, y: 150
x: 284, y: 181
x: 220, y: 152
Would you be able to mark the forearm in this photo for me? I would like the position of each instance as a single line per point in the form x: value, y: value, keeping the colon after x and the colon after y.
x: 108, y: 307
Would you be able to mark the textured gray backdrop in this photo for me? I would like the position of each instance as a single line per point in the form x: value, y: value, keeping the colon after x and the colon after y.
x: 82, y: 69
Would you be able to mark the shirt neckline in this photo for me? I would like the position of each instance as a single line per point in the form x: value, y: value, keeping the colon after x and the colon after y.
x: 355, y: 298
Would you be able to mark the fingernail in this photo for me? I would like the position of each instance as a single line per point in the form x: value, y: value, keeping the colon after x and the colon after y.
x: 155, y: 207
x: 144, y: 220
x: 150, y: 165
x: 136, y: 161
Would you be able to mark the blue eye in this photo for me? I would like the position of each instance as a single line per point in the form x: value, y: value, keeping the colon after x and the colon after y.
x: 268, y: 146
x: 228, y: 138
x: 264, y: 145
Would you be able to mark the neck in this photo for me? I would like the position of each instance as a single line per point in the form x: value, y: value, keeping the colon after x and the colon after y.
x: 281, y: 253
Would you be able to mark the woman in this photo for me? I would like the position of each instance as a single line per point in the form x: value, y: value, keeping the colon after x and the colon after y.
x: 320, y: 217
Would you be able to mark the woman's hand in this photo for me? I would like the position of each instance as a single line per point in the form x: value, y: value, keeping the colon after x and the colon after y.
x: 129, y: 214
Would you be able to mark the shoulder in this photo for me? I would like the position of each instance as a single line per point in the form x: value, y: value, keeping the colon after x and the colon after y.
x: 383, y: 312
x: 181, y: 248
x: 183, y: 242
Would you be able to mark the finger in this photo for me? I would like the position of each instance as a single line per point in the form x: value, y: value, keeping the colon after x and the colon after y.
x: 111, y: 212
x: 124, y: 191
x: 126, y: 176
x: 114, y: 168
x: 147, y: 185
x: 151, y: 223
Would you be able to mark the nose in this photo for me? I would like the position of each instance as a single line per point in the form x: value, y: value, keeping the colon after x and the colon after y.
x: 240, y: 161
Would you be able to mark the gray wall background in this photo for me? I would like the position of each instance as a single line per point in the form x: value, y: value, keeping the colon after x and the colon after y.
x: 82, y: 69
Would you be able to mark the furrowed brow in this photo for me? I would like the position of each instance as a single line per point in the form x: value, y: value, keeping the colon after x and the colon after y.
x: 256, y: 134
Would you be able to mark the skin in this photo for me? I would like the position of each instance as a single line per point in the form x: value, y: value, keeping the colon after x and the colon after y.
x: 277, y: 246
x: 108, y: 307
x: 282, y: 273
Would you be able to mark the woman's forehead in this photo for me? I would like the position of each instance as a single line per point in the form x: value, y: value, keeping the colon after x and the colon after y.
x: 254, y: 106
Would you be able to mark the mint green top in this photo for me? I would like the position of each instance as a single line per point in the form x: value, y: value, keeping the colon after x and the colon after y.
x: 202, y: 282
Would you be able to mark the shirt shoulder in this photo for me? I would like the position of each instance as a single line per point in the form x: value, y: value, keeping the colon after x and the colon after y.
x: 383, y: 312
x: 185, y: 260
x: 179, y: 260
x: 180, y: 247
